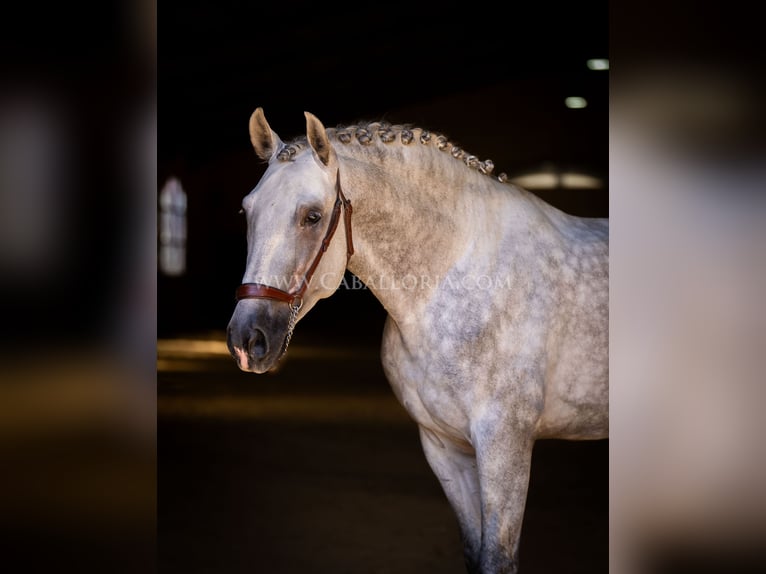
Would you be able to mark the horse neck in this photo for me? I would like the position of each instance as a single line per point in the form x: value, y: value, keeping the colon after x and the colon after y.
x: 410, y: 227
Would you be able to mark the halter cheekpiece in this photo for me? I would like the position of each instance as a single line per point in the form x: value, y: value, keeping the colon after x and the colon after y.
x: 294, y: 297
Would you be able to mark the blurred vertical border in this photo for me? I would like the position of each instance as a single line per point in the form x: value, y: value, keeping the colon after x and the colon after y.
x: 688, y: 278
x: 77, y: 287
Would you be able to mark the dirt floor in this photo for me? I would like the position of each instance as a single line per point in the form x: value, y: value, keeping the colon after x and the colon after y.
x: 318, y: 469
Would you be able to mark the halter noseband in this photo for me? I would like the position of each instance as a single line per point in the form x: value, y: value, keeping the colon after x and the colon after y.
x: 294, y: 297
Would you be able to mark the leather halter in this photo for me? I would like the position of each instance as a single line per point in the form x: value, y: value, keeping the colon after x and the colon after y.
x: 294, y: 297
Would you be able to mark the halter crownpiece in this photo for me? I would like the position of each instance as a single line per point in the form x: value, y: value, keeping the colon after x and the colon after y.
x: 294, y: 297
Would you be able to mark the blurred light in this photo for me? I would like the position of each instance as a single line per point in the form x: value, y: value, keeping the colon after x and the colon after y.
x: 370, y: 408
x: 537, y: 180
x: 580, y: 181
x: 33, y: 171
x: 195, y: 355
x: 598, y: 64
x: 554, y: 180
x: 575, y: 102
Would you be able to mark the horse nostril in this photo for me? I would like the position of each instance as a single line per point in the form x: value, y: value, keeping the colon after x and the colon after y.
x: 257, y: 345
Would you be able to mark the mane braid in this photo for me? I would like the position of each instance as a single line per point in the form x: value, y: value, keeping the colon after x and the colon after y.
x: 365, y: 134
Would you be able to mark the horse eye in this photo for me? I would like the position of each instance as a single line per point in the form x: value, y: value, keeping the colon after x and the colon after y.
x: 312, y: 218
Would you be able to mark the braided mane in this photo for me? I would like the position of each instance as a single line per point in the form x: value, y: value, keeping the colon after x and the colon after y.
x: 377, y: 133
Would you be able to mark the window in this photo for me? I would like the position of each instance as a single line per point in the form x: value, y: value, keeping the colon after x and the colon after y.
x: 172, y: 256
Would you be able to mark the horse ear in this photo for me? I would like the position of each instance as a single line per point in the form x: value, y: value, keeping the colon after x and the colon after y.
x: 320, y: 143
x: 265, y: 141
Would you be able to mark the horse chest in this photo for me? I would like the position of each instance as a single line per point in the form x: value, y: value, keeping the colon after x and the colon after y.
x: 418, y: 378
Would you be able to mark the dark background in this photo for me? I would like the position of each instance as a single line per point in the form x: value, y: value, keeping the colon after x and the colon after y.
x: 491, y: 78
x: 317, y: 467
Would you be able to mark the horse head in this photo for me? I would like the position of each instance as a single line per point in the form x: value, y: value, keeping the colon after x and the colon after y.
x: 292, y: 260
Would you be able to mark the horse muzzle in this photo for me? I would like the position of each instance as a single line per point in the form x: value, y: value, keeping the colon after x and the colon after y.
x: 256, y: 334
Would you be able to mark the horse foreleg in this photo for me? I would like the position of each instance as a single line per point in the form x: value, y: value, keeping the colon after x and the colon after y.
x: 504, y: 460
x: 457, y: 472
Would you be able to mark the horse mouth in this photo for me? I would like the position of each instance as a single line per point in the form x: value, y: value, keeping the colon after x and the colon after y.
x: 257, y: 343
x: 256, y: 355
x: 246, y: 363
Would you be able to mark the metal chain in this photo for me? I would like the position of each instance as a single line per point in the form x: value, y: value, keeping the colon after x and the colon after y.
x: 294, y: 310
